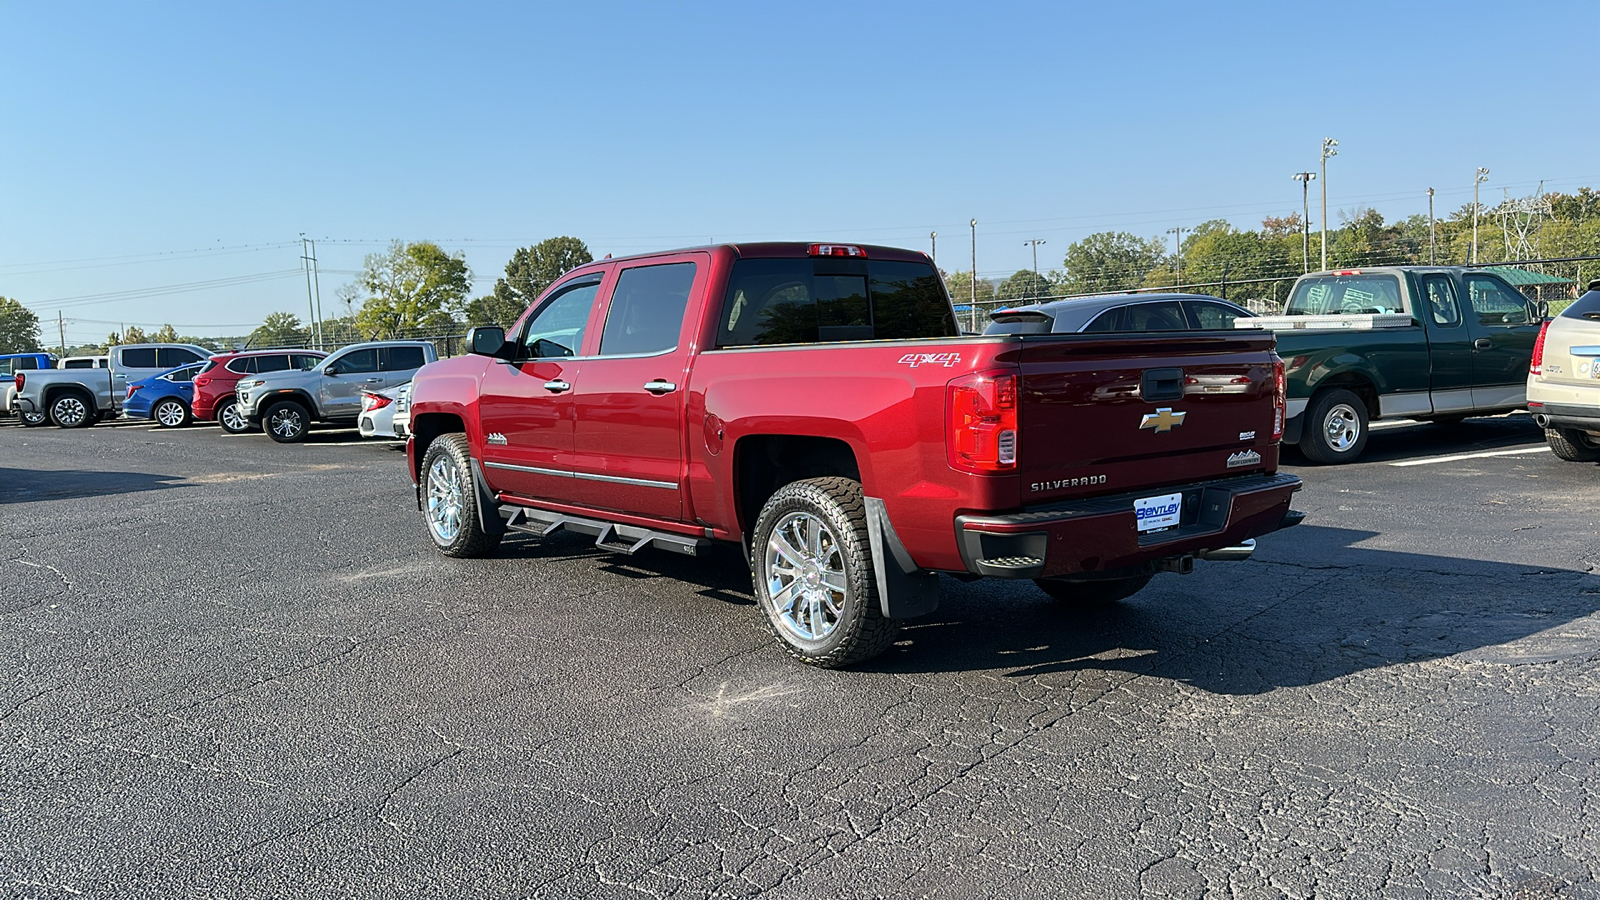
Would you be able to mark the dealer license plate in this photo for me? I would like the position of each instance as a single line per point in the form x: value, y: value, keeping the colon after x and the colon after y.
x: 1156, y: 513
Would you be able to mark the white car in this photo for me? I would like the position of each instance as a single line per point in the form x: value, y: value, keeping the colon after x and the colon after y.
x: 378, y: 412
x: 1564, y: 379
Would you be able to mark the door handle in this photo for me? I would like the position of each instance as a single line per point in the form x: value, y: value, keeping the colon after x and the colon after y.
x: 1483, y: 344
x: 371, y: 380
x: 659, y: 387
x: 557, y: 386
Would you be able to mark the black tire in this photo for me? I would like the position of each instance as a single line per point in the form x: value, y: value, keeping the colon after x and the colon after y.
x: 450, y: 500
x: 1096, y: 594
x: 170, y: 413
x: 1572, y: 445
x: 72, y: 409
x: 33, y: 420
x: 231, y: 420
x: 836, y: 546
x: 1335, y: 428
x: 286, y: 421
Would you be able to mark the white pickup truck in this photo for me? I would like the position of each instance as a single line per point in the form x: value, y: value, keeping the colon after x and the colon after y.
x: 77, y: 398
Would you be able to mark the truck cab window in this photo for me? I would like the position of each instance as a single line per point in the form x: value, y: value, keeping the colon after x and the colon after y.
x: 1495, y: 303
x: 647, y: 308
x: 1440, y: 295
x: 557, y: 328
x: 358, y: 361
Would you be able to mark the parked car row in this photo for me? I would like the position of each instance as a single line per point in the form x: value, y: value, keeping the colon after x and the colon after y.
x: 281, y: 390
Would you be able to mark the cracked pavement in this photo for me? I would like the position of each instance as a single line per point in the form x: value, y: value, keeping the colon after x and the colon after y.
x: 238, y: 669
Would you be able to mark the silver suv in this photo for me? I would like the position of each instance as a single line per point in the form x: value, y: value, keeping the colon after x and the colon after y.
x: 1564, y: 379
x: 286, y: 403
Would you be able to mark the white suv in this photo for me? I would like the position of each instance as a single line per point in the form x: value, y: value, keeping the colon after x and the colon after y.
x: 1564, y: 379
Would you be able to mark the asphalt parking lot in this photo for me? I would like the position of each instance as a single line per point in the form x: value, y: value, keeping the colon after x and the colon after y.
x: 238, y: 669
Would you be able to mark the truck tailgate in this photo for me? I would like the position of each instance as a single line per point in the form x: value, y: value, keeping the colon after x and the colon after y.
x: 1111, y: 414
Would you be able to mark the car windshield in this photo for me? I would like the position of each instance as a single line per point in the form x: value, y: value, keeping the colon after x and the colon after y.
x: 1331, y: 295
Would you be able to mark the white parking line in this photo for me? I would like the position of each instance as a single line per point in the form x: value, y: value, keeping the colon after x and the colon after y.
x: 1460, y: 456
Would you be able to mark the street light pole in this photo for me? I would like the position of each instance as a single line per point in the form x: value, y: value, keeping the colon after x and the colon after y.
x: 973, y: 309
x: 1329, y: 148
x: 1033, y: 289
x: 1430, y: 227
x: 1305, y: 179
x: 933, y: 245
x: 1480, y: 178
x: 1177, y: 251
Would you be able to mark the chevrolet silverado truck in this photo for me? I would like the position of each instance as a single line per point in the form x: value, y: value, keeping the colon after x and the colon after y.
x: 818, y: 404
x: 1436, y: 343
x: 77, y: 398
x: 285, y: 402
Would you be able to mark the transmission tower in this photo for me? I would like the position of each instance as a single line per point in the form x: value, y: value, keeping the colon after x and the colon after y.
x: 1521, y: 220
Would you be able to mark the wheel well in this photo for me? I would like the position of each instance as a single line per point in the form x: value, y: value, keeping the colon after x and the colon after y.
x: 425, y: 428
x: 1355, y: 384
x: 764, y: 463
x: 296, y: 397
x: 51, y: 394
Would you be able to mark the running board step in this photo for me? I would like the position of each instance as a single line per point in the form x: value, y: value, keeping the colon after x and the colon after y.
x: 608, y: 536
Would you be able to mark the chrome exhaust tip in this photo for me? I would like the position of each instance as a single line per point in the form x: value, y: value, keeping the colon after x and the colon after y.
x: 1230, y: 554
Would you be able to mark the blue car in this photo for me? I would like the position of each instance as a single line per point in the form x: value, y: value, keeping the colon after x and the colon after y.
x: 166, y: 397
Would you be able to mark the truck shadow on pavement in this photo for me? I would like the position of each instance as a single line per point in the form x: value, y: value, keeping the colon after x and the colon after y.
x: 1419, y: 440
x: 29, y: 485
x: 1248, y: 628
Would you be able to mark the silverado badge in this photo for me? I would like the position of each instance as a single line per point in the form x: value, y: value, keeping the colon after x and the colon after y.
x: 1163, y: 419
x: 495, y: 437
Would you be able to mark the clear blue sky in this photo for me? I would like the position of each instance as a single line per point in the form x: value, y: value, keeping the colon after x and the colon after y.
x: 150, y: 147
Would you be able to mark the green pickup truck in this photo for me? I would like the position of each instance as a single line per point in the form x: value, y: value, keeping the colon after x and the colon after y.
x: 1436, y: 343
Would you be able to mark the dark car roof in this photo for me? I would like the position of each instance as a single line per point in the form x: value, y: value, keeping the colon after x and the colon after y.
x: 1073, y: 313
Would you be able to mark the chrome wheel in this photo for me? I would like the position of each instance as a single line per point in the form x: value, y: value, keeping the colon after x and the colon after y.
x: 286, y: 422
x: 231, y: 419
x: 33, y: 419
x: 445, y: 500
x: 170, y: 414
x: 1342, y: 425
x: 69, y: 412
x: 805, y: 576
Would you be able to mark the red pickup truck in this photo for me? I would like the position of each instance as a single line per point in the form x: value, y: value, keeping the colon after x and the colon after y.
x: 819, y: 404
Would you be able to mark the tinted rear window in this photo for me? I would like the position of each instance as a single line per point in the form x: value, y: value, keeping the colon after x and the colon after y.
x: 400, y: 359
x: 1331, y: 295
x: 1585, y: 307
x: 800, y: 301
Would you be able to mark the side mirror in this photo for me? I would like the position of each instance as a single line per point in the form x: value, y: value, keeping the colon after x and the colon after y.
x: 486, y: 340
x: 1543, y: 308
x: 331, y: 369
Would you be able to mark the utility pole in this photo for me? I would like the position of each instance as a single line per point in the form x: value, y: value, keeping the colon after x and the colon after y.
x: 1305, y: 179
x: 1430, y: 227
x: 311, y: 304
x: 1177, y: 251
x: 316, y: 280
x: 1033, y: 289
x: 1480, y: 178
x: 933, y: 246
x: 974, y: 285
x: 61, y: 332
x: 1329, y: 148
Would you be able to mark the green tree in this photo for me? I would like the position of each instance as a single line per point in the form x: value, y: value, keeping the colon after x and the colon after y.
x: 530, y: 271
x: 280, y: 329
x: 166, y: 334
x: 1110, y: 261
x: 19, y: 328
x: 133, y: 334
x: 1023, y: 286
x: 412, y: 288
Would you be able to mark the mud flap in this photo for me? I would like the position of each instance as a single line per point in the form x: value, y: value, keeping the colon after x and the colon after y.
x: 489, y: 518
x: 904, y: 590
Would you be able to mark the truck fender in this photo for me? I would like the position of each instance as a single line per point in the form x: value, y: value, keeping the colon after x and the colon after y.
x: 904, y: 589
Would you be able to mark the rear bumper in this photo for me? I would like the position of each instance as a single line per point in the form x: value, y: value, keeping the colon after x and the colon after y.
x: 1101, y: 534
x: 1586, y: 418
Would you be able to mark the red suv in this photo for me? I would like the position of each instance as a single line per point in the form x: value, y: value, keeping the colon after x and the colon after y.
x: 213, y: 386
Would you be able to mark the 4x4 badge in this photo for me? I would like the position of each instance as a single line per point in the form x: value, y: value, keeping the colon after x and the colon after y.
x: 1163, y: 419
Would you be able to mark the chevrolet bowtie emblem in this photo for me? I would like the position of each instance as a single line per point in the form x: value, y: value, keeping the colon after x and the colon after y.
x: 1163, y: 419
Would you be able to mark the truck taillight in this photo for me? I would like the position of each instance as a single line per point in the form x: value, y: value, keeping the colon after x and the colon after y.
x: 21, y: 380
x: 1280, y: 397
x: 1535, y: 365
x: 983, y: 422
